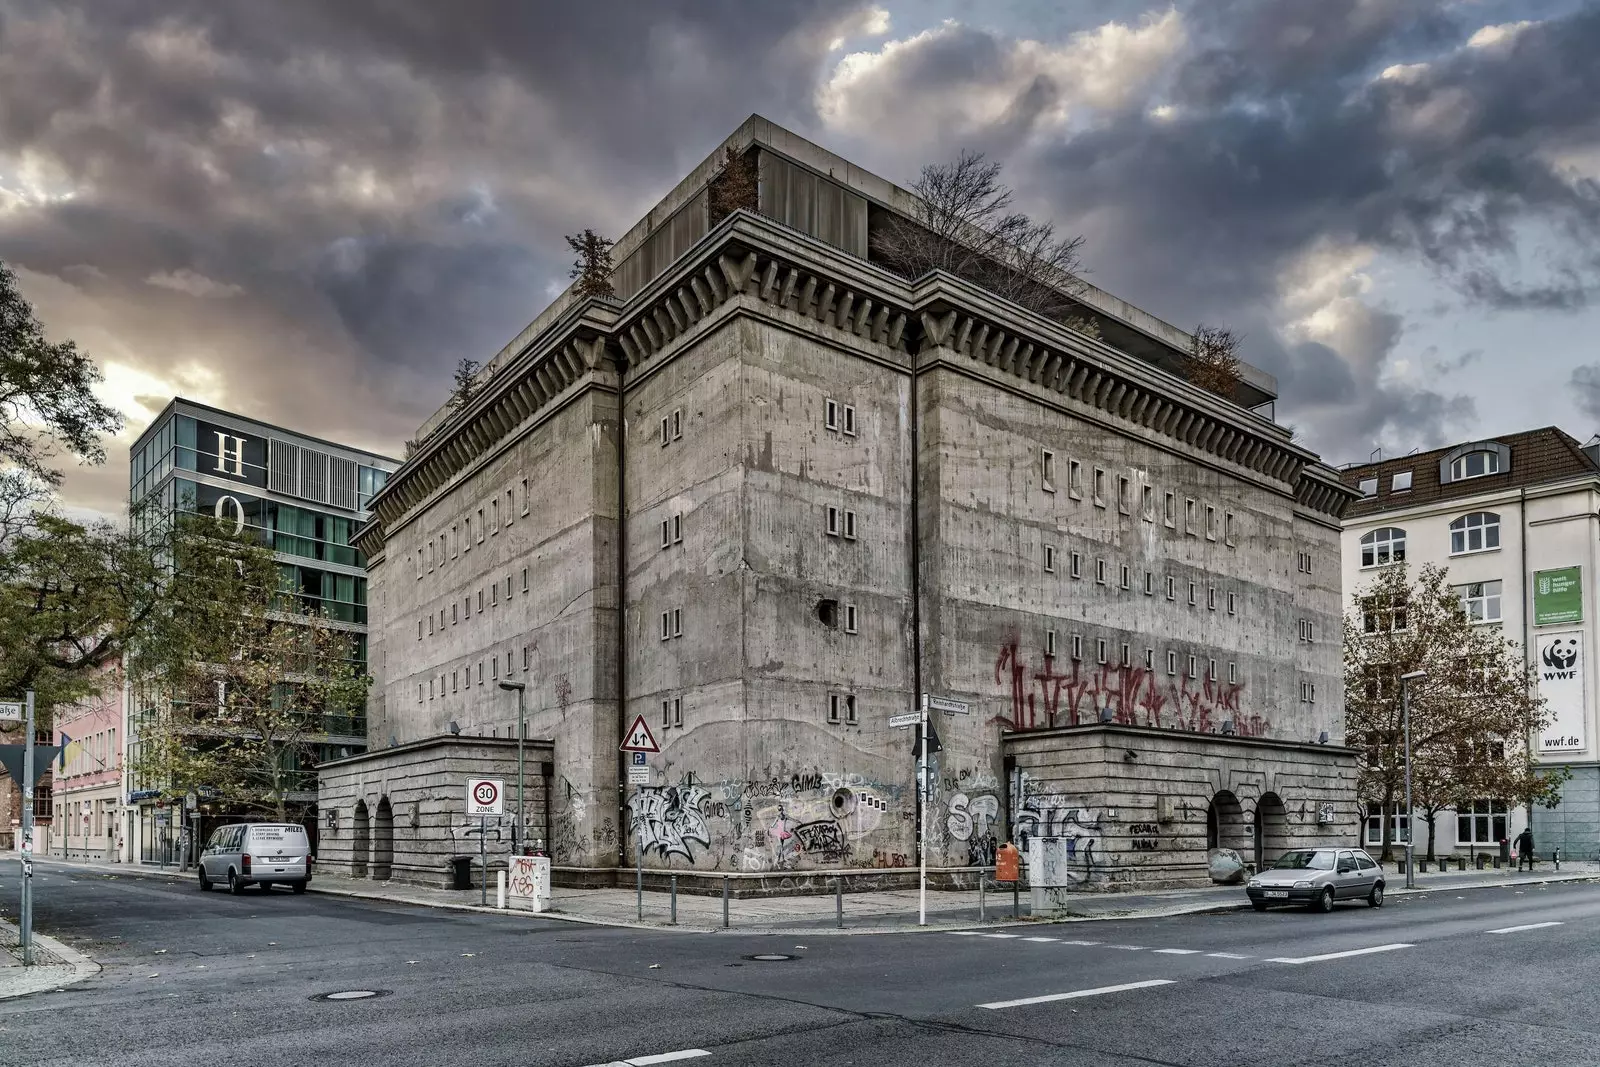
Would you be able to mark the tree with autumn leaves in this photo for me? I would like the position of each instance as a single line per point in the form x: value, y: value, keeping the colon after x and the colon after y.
x: 1472, y: 714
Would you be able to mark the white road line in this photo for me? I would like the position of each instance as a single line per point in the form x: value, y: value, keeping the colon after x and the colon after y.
x: 1040, y: 940
x: 1083, y: 944
x: 967, y: 933
x: 1340, y: 955
x: 1127, y: 948
x: 1002, y: 937
x: 1227, y: 956
x: 667, y: 1057
x: 1177, y: 952
x: 1519, y: 929
x: 1076, y: 994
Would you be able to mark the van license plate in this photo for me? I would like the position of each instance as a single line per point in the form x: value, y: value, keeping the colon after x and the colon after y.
x: 1277, y: 894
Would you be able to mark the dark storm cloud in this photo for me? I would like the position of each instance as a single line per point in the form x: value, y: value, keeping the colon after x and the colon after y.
x: 329, y: 204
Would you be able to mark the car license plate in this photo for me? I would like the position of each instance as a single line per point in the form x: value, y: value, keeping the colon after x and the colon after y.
x: 1277, y: 894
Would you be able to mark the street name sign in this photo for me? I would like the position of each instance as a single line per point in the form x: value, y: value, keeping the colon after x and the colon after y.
x: 486, y: 796
x: 12, y: 710
x: 899, y: 721
x: 946, y: 705
x: 639, y: 738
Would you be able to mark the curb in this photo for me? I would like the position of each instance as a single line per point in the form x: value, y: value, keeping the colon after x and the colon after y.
x: 1198, y: 908
x: 49, y: 977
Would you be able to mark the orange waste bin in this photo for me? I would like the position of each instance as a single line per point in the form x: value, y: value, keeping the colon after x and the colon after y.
x: 1007, y: 863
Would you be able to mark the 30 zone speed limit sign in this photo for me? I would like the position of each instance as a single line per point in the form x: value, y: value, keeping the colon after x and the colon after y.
x: 486, y: 796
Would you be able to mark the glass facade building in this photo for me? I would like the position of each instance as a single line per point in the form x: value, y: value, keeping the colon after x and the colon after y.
x: 300, y: 496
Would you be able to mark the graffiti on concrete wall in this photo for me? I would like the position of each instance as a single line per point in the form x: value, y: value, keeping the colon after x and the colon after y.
x: 666, y: 820
x: 1074, y: 694
x: 808, y: 818
x: 1051, y: 815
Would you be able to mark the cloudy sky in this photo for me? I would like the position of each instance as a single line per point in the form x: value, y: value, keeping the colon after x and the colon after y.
x: 309, y: 211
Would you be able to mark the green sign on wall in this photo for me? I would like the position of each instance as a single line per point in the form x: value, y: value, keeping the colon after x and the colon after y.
x: 1558, y: 596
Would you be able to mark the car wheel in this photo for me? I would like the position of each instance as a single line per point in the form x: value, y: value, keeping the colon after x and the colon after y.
x: 234, y: 885
x: 1324, y: 901
x: 1259, y: 905
x: 299, y: 887
x: 205, y: 883
x: 1375, y: 898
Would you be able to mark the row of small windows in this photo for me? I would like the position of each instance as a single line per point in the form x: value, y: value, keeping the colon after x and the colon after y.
x: 461, y: 611
x: 452, y: 543
x: 1103, y: 655
x: 1477, y: 532
x: 439, y: 688
x: 1478, y: 463
x: 1102, y: 576
x: 1213, y: 528
x: 1480, y: 602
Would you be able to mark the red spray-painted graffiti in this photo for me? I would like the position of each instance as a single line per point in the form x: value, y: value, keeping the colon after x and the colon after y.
x: 1130, y: 696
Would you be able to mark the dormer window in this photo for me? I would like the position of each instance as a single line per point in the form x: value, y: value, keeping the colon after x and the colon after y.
x: 1474, y: 465
x: 1476, y: 460
x: 1369, y: 487
x: 1401, y: 482
x: 1382, y: 547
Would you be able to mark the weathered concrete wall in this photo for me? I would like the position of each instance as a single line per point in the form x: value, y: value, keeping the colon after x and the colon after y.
x: 425, y: 786
x: 1136, y: 799
x: 480, y: 621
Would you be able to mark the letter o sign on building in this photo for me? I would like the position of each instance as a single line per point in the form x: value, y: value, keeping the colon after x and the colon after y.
x: 486, y: 796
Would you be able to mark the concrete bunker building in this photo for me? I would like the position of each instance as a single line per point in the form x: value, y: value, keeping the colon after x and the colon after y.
x: 770, y: 493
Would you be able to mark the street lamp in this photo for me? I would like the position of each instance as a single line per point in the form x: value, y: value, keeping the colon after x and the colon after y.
x: 1405, y: 712
x: 516, y: 827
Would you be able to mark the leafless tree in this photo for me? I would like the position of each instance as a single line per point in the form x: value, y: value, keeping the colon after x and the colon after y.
x: 592, y: 268
x: 735, y: 186
x: 965, y: 225
x: 1213, y: 363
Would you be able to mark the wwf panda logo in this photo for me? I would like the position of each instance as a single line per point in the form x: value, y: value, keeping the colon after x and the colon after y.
x: 1561, y: 653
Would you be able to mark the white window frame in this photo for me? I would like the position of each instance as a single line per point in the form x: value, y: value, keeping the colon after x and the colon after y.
x: 1124, y: 495
x: 1464, y: 531
x: 1459, y: 471
x: 1484, y: 600
x: 1077, y: 565
x: 1100, y: 572
x: 830, y: 415
x: 1233, y: 603
x: 1172, y: 663
x: 1099, y: 487
x: 849, y: 427
x: 850, y: 621
x: 1149, y: 583
x: 1047, y: 470
x: 1172, y: 588
x: 1127, y: 577
x: 833, y: 520
x: 1227, y: 529
x: 849, y: 533
x: 1211, y: 523
x: 1050, y: 644
x: 1400, y: 482
x: 666, y: 430
x: 1383, y: 546
x: 1075, y: 479
x: 1147, y: 503
x: 1102, y: 650
x: 1049, y: 559
x: 1077, y: 647
x: 677, y: 424
x: 1372, y: 825
x: 1169, y: 510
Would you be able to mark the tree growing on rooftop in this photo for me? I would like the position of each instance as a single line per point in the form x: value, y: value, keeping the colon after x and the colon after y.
x: 964, y: 223
x: 464, y: 384
x: 592, y: 269
x: 1212, y: 362
x: 736, y: 186
x: 1471, y: 714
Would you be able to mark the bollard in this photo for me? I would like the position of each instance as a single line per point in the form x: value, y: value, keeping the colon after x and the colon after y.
x: 500, y: 890
x: 980, y: 894
x: 674, y: 921
x: 725, y: 881
x: 1555, y: 857
x: 838, y: 902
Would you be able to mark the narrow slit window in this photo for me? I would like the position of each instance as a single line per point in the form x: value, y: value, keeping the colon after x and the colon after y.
x: 677, y: 711
x: 1099, y: 487
x: 1211, y: 669
x: 1101, y: 649
x: 1233, y: 604
x: 524, y: 579
x: 834, y: 700
x: 666, y: 533
x: 1172, y: 588
x: 1149, y: 659
x: 526, y: 505
x: 849, y: 420
x: 1148, y: 504
x: 677, y: 622
x: 1233, y: 673
x: 455, y: 679
x: 1126, y: 577
x: 1049, y: 559
x: 1077, y: 565
x: 1172, y: 663
x: 666, y: 714
x: 833, y: 521
x: 850, y: 618
x: 850, y: 709
x: 455, y: 613
x: 1075, y: 479
x: 1100, y: 571
x: 677, y: 529
x: 1192, y: 592
x: 677, y: 424
x: 1127, y: 654
x: 1211, y: 598
x: 1077, y: 647
x: 1124, y: 495
x: 666, y: 625
x: 1050, y: 644
x: 1194, y: 666
x: 1170, y: 510
x: 511, y: 504
x: 1190, y: 509
x: 666, y: 431
x: 1211, y: 523
x: 494, y: 516
x: 1047, y: 470
x: 849, y: 525
x: 830, y: 414
x: 1227, y: 528
x: 480, y: 526
x: 1149, y: 583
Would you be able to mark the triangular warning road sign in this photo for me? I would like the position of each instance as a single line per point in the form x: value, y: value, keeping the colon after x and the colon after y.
x: 639, y: 738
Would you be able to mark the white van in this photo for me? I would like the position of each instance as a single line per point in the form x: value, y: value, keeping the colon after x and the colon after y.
x: 257, y: 853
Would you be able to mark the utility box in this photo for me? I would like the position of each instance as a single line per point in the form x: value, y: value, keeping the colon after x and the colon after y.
x: 528, y: 883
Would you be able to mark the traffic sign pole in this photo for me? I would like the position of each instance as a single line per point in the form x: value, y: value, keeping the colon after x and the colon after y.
x: 922, y: 837
x: 25, y: 929
x: 483, y: 860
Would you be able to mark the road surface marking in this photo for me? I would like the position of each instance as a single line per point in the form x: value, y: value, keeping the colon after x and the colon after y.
x: 1127, y: 948
x: 1340, y: 955
x: 1084, y: 944
x: 1519, y: 929
x: 667, y: 1057
x: 1039, y: 940
x: 1076, y: 994
x: 1177, y: 952
x: 1002, y: 937
x: 1226, y: 956
x: 967, y: 933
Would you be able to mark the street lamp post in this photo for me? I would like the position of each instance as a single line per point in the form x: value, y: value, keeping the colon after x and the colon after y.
x: 1405, y: 713
x: 516, y: 827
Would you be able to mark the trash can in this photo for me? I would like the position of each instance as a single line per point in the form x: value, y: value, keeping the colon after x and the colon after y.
x: 461, y: 872
x: 1505, y: 852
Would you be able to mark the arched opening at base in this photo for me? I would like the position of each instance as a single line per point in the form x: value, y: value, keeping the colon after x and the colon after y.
x: 383, y: 842
x: 1271, y: 829
x: 362, y: 841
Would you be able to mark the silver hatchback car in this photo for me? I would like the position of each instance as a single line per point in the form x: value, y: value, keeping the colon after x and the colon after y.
x: 263, y: 854
x: 1318, y: 877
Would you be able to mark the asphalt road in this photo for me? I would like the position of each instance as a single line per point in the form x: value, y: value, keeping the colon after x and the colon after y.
x: 193, y: 978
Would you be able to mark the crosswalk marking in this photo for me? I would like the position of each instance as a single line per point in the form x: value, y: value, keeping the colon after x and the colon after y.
x: 1340, y: 955
x: 1177, y: 952
x: 1127, y: 948
x: 1040, y: 940
x: 1081, y: 944
x: 1519, y: 929
x: 1227, y: 956
x: 1002, y: 937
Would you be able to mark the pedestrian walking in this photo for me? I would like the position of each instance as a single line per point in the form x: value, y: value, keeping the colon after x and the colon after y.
x: 1525, y: 848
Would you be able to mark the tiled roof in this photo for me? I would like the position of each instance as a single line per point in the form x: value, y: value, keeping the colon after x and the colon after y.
x: 1537, y: 457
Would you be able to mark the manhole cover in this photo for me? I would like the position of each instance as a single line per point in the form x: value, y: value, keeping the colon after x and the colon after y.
x: 769, y: 957
x: 352, y: 994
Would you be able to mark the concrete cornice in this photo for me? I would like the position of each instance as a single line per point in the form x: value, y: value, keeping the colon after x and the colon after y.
x: 1129, y: 734
x: 762, y: 264
x: 504, y: 744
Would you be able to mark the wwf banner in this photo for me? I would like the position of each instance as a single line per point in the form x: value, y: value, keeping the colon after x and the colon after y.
x: 1560, y: 666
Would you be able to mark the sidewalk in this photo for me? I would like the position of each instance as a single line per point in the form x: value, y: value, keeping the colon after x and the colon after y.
x: 55, y: 965
x: 863, y: 912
